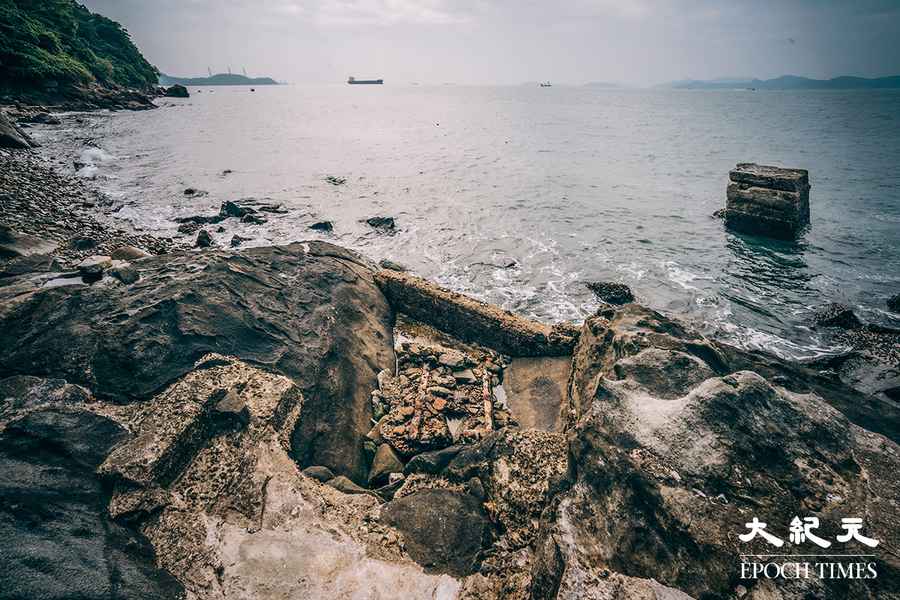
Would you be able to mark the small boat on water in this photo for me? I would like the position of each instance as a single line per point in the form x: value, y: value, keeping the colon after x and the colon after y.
x: 546, y: 84
x: 355, y: 81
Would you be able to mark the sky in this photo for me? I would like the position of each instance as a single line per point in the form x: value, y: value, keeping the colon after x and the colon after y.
x: 636, y: 42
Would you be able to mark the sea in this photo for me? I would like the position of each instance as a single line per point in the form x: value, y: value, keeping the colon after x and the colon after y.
x: 519, y: 195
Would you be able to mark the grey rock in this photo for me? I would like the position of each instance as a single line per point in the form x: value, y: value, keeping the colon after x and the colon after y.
x: 836, y: 315
x: 392, y: 266
x: 124, y: 272
x: 237, y: 240
x: 346, y: 486
x: 55, y: 509
x: 383, y: 223
x: 14, y: 244
x: 204, y: 239
x: 444, y: 531
x: 13, y: 137
x: 94, y: 266
x: 893, y: 303
x: 322, y: 226
x: 611, y: 292
x: 33, y: 263
x: 768, y: 201
x: 178, y: 91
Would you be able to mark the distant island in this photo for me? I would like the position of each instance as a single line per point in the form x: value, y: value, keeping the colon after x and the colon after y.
x: 218, y: 79
x: 787, y: 82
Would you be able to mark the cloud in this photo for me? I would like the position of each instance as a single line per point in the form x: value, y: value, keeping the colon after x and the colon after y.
x: 386, y: 12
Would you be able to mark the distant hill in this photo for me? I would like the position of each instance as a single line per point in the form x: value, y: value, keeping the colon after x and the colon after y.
x: 788, y: 82
x: 51, y: 45
x: 218, y: 79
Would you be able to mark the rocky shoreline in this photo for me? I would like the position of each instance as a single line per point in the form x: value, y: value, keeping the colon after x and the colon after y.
x: 295, y: 421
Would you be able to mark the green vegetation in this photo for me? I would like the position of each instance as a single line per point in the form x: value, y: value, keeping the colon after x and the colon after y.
x: 59, y: 43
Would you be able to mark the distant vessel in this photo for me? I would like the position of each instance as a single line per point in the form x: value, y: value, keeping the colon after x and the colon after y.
x: 355, y: 81
x: 546, y: 84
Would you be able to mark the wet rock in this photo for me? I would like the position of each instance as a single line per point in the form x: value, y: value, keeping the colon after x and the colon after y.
x: 322, y: 226
x: 14, y: 244
x: 128, y: 253
x: 893, y: 303
x: 177, y: 91
x: 386, y: 462
x: 610, y: 292
x: 335, y: 180
x: 254, y: 219
x: 204, y: 239
x: 444, y: 531
x: 836, y: 315
x: 233, y: 209
x: 13, y: 137
x: 237, y: 240
x: 769, y: 201
x: 319, y: 473
x: 54, y: 507
x: 383, y: 223
x: 392, y: 266
x: 310, y: 311
x: 472, y: 321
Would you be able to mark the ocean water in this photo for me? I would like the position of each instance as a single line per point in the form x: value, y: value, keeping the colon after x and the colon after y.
x: 518, y: 195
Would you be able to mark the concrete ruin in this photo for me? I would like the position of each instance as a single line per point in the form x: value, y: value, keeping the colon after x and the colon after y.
x: 767, y: 201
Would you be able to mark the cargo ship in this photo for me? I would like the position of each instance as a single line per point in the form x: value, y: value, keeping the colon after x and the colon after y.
x: 355, y: 81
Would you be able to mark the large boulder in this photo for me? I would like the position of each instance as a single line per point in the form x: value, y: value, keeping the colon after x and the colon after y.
x: 59, y: 539
x: 309, y: 311
x: 13, y: 137
x: 177, y: 91
x: 678, y: 444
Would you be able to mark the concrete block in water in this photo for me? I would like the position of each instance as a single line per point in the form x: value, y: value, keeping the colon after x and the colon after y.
x: 769, y: 201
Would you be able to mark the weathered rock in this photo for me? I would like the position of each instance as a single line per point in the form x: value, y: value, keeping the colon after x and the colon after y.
x: 768, y: 201
x: 319, y: 473
x: 20, y: 393
x: 444, y: 531
x: 893, y: 303
x: 124, y: 272
x: 33, y: 263
x: 383, y: 223
x: 322, y: 226
x: 13, y: 137
x: 536, y: 391
x: 42, y: 118
x: 94, y: 266
x: 14, y: 244
x: 611, y: 292
x: 204, y: 240
x: 128, y: 253
x: 60, y: 541
x: 836, y: 315
x: 178, y: 91
x: 670, y: 471
x: 386, y: 462
x: 474, y: 321
x: 310, y: 311
x: 392, y: 266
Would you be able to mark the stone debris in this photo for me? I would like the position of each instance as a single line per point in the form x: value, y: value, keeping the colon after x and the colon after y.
x: 768, y: 201
x: 610, y: 292
x: 435, y: 385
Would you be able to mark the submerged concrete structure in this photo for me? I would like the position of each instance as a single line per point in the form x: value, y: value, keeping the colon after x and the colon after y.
x: 768, y: 201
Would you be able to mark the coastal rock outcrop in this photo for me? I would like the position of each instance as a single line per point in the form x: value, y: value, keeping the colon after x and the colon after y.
x: 769, y: 201
x: 177, y: 91
x: 60, y: 540
x: 309, y: 311
x: 669, y: 471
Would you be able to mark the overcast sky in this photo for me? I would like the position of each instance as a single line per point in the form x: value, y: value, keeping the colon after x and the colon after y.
x: 513, y: 41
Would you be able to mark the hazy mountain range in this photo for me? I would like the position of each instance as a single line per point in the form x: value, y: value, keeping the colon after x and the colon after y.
x: 218, y: 79
x: 787, y: 82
